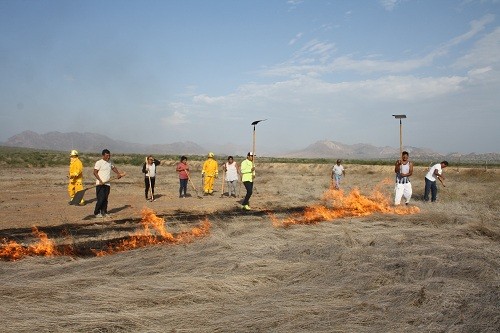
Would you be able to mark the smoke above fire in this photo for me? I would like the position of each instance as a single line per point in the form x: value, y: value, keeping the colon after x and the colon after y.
x: 153, y: 231
x: 337, y: 204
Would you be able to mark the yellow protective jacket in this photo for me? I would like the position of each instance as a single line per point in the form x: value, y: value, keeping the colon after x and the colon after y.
x: 75, y: 170
x: 210, y: 168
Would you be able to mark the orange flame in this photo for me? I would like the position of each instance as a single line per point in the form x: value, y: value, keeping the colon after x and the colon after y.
x: 145, y: 237
x: 351, y: 205
x: 43, y: 247
x: 153, y: 231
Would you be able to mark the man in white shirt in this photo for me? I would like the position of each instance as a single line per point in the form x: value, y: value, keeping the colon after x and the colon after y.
x: 338, y: 171
x: 102, y: 173
x: 435, y: 172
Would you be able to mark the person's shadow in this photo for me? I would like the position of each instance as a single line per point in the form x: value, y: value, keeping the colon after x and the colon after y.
x: 111, y: 211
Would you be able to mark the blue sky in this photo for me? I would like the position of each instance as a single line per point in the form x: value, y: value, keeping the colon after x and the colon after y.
x: 202, y: 71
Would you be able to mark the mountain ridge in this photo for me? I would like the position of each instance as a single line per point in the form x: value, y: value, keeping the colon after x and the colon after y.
x: 92, y: 142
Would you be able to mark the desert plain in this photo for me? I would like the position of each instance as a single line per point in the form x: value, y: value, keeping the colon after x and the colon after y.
x: 429, y: 267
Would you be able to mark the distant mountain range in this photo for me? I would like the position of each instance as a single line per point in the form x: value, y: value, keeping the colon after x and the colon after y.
x: 91, y: 142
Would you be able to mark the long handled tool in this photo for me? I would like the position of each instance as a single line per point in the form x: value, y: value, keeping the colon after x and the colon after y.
x: 253, y: 145
x: 223, y: 181
x: 151, y: 188
x: 79, y: 195
x: 194, y: 188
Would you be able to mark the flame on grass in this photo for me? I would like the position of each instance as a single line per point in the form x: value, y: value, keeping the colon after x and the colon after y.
x: 339, y: 205
x: 12, y: 250
x: 153, y: 232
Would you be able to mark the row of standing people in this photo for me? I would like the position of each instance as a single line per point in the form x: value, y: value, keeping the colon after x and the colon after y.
x: 210, y: 172
x: 104, y: 166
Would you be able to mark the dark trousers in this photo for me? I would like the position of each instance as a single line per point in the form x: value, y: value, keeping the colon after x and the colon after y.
x: 102, y: 194
x: 146, y: 184
x: 430, y: 186
x: 249, y: 188
x: 183, y: 186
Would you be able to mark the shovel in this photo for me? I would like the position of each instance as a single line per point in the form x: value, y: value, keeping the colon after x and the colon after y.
x: 79, y: 195
x: 194, y: 188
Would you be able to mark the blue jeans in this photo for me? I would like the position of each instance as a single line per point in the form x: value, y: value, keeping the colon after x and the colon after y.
x: 430, y: 186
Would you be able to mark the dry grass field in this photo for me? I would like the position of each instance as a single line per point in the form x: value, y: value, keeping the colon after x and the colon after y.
x: 374, y: 268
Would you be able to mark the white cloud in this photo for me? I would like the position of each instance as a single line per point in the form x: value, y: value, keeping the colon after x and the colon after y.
x: 178, y: 116
x: 485, y: 52
x: 296, y: 38
x: 204, y: 99
x: 389, y: 4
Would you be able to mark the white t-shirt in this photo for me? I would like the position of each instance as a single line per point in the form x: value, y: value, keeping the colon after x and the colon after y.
x: 338, y: 170
x: 231, y: 172
x: 430, y: 174
x: 104, y: 171
x: 152, y: 170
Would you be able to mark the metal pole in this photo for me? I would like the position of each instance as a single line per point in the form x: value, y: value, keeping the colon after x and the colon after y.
x: 400, y: 116
x: 400, y: 138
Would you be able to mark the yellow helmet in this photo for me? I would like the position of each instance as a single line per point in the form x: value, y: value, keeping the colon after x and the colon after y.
x: 73, y: 153
x: 210, y: 154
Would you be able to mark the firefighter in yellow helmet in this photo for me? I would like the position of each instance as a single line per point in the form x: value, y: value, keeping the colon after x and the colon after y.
x: 209, y: 173
x: 75, y: 175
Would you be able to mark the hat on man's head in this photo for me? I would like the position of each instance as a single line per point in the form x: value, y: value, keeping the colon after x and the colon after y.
x: 210, y: 154
x: 73, y: 153
x: 250, y: 153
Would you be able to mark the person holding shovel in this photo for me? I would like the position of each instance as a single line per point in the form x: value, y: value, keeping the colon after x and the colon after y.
x: 75, y: 176
x: 232, y: 175
x: 435, y: 172
x: 102, y: 173
x: 247, y: 176
x: 149, y: 171
x: 183, y: 171
x: 209, y: 173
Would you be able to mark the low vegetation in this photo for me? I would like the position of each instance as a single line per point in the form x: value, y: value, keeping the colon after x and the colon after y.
x: 38, y: 158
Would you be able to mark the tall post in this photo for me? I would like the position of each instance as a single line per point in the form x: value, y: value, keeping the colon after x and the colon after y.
x: 400, y: 116
x: 253, y: 138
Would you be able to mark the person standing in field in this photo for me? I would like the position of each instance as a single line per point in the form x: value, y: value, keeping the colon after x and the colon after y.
x: 102, y: 173
x: 149, y: 171
x: 232, y: 175
x: 209, y: 173
x: 435, y: 172
x: 75, y: 176
x: 338, y: 171
x: 247, y: 176
x: 183, y: 171
x: 403, y: 170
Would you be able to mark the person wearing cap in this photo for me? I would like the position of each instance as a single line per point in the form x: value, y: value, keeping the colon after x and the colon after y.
x: 209, y: 173
x: 338, y: 171
x: 75, y: 175
x: 247, y: 175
